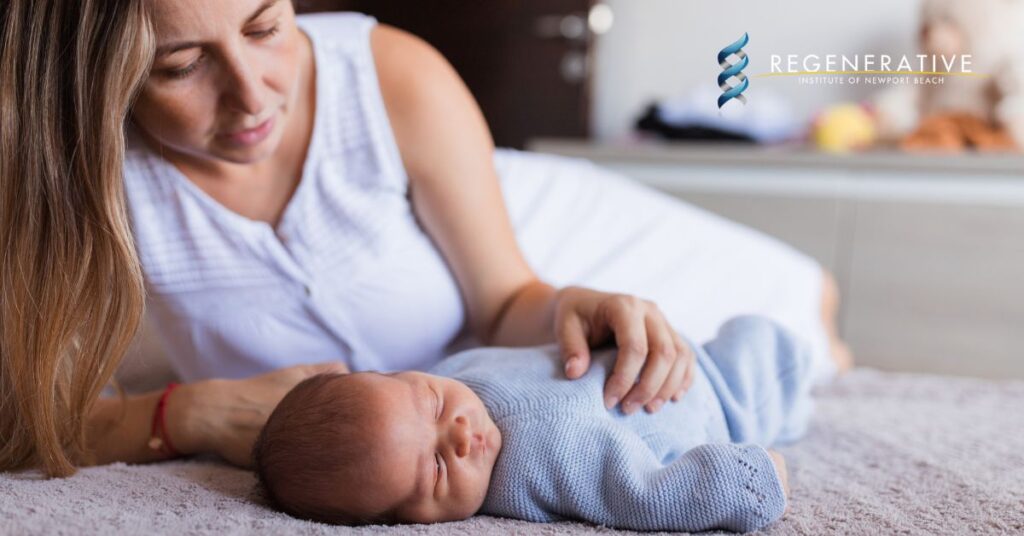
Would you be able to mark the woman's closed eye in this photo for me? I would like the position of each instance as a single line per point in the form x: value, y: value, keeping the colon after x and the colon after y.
x: 184, y: 72
x: 264, y: 34
x: 187, y: 70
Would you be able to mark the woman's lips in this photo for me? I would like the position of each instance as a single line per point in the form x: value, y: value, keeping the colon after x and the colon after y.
x: 251, y: 136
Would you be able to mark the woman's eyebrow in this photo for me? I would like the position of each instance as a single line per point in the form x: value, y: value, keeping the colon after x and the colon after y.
x: 174, y: 47
x: 259, y: 11
x: 171, y: 48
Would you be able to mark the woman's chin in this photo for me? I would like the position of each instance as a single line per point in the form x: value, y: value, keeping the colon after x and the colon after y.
x: 245, y: 154
x: 238, y: 152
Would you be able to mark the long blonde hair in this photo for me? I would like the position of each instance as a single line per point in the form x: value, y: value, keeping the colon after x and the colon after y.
x: 71, y: 288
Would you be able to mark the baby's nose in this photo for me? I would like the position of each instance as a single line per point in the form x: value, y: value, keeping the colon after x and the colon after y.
x: 463, y: 437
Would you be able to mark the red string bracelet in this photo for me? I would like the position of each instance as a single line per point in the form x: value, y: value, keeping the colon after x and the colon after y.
x: 162, y: 441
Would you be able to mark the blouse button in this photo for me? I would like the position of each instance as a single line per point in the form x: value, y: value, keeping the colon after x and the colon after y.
x: 309, y: 291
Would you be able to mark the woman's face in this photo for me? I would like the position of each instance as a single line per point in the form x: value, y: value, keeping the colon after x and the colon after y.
x: 224, y: 80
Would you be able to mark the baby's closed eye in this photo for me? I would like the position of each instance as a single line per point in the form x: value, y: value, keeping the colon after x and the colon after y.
x: 438, y: 405
x: 439, y: 463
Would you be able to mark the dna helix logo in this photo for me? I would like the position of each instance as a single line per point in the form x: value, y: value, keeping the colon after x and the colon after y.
x: 730, y: 70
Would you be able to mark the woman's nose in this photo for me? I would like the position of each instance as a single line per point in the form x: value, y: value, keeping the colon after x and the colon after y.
x: 243, y: 88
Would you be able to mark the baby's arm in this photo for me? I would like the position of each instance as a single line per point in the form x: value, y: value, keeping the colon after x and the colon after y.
x: 603, y: 475
x: 712, y: 486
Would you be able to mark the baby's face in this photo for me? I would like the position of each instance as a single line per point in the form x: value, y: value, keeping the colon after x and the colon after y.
x: 435, y: 443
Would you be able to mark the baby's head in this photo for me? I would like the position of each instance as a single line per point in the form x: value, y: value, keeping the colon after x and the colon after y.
x: 368, y: 447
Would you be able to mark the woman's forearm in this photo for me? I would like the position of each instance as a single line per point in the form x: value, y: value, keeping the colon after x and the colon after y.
x: 121, y: 433
x: 528, y: 317
x: 219, y: 416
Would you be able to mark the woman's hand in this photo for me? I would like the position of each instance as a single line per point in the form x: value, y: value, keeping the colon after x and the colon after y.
x: 229, y: 414
x: 649, y: 348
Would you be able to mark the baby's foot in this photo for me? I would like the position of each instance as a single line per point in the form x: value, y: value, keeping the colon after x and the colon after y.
x: 842, y: 355
x: 838, y: 350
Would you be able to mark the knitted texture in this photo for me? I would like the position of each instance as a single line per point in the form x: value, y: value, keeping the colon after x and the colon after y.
x: 564, y: 456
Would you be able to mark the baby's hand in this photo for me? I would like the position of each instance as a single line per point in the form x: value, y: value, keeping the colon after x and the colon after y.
x: 780, y: 469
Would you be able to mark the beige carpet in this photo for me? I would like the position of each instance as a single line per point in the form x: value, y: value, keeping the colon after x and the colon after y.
x: 887, y: 454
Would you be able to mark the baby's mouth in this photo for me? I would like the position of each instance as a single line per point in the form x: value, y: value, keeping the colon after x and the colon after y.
x: 482, y: 445
x: 492, y: 438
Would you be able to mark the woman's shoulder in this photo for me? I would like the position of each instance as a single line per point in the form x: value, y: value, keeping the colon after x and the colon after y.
x: 346, y: 29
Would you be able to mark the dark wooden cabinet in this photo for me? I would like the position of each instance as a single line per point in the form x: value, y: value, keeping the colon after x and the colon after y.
x: 527, y: 62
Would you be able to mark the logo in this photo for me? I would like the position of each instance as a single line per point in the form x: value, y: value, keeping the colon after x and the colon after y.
x: 871, y: 69
x: 733, y: 70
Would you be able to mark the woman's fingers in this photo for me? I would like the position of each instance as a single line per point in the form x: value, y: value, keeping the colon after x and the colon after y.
x: 657, y: 381
x: 575, y: 351
x: 673, y: 384
x: 652, y: 364
x: 288, y: 377
x: 687, y: 360
x: 661, y: 358
x: 330, y: 366
x: 688, y: 380
x: 625, y: 315
x: 252, y: 400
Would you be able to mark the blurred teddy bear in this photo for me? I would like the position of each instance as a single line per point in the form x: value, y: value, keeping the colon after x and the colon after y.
x: 982, y: 112
x: 955, y: 131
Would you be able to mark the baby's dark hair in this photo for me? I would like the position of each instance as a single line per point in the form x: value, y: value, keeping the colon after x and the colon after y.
x: 313, y: 447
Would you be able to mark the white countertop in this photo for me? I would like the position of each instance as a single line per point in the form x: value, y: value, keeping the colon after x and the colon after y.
x: 735, y: 154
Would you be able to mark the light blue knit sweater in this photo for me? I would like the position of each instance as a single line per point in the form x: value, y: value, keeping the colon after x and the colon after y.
x: 694, y: 465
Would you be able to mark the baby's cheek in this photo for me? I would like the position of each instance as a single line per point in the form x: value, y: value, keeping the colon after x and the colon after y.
x: 480, y: 485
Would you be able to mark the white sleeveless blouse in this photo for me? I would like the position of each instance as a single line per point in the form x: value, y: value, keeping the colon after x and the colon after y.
x: 351, y: 275
x: 348, y: 275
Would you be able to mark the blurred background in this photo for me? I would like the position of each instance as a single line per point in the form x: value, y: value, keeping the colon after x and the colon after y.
x: 588, y: 68
x: 911, y: 194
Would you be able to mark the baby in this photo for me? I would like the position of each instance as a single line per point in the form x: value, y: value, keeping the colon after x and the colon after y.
x: 501, y: 431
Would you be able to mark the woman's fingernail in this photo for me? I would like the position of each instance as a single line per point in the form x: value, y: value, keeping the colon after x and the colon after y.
x: 610, y: 401
x: 629, y: 407
x: 655, y: 405
x: 570, y: 364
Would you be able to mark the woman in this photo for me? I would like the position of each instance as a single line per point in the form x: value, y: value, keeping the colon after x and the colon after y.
x: 294, y: 200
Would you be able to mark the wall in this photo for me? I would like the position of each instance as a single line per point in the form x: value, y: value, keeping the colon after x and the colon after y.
x: 664, y: 48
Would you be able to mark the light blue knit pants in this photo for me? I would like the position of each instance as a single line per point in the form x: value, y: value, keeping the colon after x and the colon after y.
x: 763, y: 376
